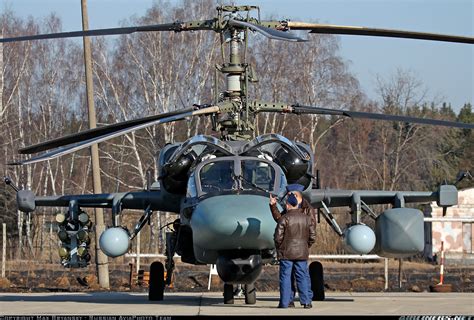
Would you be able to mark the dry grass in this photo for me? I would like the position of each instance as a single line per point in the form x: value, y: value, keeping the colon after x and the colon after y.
x: 354, y: 276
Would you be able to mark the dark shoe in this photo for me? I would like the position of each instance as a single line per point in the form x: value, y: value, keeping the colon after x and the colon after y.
x: 291, y: 304
x: 281, y: 307
x: 307, y: 306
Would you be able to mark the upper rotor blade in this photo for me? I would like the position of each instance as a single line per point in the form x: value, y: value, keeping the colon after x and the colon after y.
x: 370, y: 115
x: 364, y: 31
x: 96, y: 132
x: 175, y: 26
x: 81, y: 145
x: 267, y: 32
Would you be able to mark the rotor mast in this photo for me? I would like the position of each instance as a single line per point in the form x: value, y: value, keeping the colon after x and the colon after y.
x: 237, y: 124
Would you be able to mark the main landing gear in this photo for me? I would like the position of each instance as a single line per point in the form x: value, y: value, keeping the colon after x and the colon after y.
x: 317, y: 280
x: 156, y: 285
x: 157, y: 280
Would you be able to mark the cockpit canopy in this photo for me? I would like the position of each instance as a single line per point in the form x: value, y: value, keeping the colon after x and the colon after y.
x: 178, y: 161
x: 236, y: 173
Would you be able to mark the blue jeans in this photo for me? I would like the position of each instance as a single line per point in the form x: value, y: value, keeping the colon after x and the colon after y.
x: 293, y: 286
x: 302, y: 283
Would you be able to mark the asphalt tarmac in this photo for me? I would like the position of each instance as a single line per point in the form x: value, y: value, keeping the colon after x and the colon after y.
x: 123, y: 303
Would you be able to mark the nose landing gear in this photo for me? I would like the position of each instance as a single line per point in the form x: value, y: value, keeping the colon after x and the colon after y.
x: 249, y: 291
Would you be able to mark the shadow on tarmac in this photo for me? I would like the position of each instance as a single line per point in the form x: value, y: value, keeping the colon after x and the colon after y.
x: 133, y: 299
x: 102, y: 297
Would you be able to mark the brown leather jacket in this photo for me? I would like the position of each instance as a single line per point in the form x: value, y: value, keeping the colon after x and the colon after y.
x: 305, y: 205
x: 294, y: 235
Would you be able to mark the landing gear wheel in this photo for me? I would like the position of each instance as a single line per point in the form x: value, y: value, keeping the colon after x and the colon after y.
x: 157, y: 282
x: 228, y: 294
x: 317, y: 280
x: 250, y: 294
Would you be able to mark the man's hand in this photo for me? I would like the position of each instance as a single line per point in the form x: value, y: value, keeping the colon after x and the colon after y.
x: 273, y: 200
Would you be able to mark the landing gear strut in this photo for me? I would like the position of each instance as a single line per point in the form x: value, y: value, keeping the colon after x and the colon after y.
x: 228, y: 294
x: 157, y: 280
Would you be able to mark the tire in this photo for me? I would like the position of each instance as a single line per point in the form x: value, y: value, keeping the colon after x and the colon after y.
x: 250, y: 294
x: 156, y: 286
x: 228, y: 294
x: 317, y: 280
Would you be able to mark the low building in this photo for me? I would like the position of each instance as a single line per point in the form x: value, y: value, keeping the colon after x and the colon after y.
x: 457, y: 237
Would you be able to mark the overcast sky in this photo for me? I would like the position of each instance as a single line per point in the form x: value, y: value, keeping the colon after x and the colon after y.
x: 446, y: 69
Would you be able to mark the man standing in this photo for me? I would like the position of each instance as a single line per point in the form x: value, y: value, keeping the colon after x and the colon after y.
x: 296, y: 189
x: 294, y: 235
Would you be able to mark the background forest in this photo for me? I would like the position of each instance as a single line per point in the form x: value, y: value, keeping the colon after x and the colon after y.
x: 42, y: 96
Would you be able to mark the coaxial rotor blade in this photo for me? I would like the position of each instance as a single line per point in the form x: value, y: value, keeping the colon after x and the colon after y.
x: 81, y: 145
x: 267, y: 32
x: 298, y: 109
x: 364, y: 31
x: 175, y: 26
x: 96, y: 132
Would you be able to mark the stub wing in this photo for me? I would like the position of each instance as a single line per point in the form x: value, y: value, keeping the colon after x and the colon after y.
x: 155, y: 200
x: 399, y: 231
x: 445, y: 196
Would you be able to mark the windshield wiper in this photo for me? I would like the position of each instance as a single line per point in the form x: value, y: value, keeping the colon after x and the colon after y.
x: 253, y: 184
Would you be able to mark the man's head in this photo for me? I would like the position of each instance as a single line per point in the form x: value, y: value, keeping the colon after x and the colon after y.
x: 296, y: 189
x: 292, y: 201
x: 299, y: 196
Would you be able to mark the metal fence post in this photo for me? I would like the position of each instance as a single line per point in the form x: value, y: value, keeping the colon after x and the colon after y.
x: 4, y: 250
x: 400, y: 272
x: 138, y: 253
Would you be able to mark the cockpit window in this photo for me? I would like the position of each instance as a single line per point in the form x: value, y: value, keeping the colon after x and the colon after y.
x: 257, y: 174
x: 217, y: 176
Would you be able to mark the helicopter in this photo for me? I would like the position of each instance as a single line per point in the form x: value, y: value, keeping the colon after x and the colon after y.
x: 219, y: 187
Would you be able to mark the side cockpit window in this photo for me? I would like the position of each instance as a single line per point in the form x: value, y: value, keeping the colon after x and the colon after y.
x: 191, y: 190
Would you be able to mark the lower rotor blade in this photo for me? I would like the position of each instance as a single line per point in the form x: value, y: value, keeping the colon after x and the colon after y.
x: 84, y: 144
x: 378, y: 116
x: 96, y: 132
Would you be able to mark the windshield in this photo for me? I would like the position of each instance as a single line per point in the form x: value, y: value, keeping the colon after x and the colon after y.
x: 217, y: 176
x: 234, y: 174
x: 257, y: 174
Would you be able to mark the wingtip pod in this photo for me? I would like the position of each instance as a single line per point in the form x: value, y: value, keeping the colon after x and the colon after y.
x: 26, y: 201
x: 447, y: 195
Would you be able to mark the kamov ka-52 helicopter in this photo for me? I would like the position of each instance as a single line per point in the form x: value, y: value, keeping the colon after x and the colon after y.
x: 219, y: 187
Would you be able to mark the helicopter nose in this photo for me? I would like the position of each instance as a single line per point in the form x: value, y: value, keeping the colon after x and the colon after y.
x: 233, y: 222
